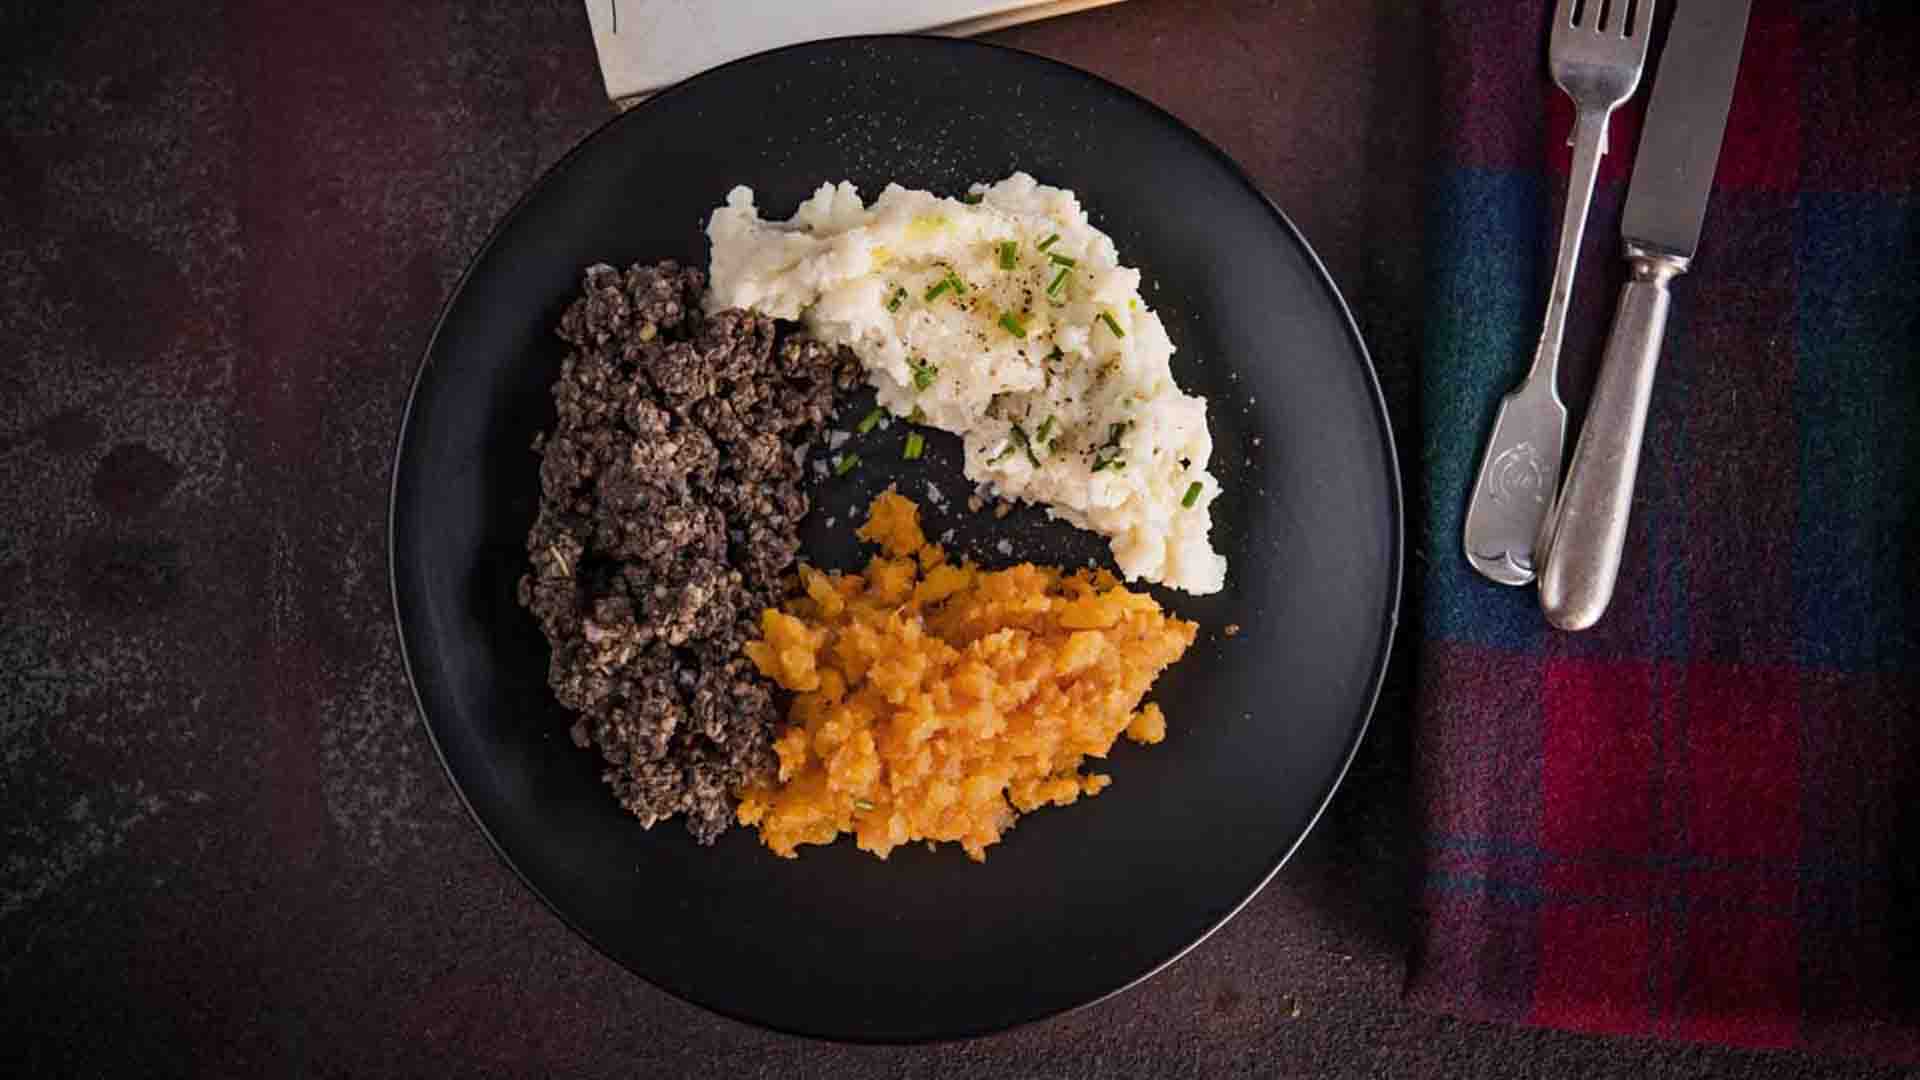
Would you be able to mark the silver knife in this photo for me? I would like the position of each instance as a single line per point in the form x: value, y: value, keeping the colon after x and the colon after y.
x: 1666, y: 203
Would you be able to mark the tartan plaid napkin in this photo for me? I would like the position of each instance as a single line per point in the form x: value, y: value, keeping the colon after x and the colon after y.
x: 1700, y: 820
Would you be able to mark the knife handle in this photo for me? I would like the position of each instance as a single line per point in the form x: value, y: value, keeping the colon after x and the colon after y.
x: 1587, y: 529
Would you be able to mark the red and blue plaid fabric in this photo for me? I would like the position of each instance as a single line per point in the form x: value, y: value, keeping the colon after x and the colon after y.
x: 1700, y: 820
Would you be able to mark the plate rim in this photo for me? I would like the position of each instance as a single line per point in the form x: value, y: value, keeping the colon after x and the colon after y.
x: 1390, y: 617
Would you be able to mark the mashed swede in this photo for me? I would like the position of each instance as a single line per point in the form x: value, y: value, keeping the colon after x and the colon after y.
x: 935, y: 701
x: 1011, y: 322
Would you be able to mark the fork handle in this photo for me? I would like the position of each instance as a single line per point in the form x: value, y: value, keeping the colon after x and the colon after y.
x: 1587, y: 529
x: 1589, y: 146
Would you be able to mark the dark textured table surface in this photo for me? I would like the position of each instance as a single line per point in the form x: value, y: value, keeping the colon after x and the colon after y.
x: 228, y: 848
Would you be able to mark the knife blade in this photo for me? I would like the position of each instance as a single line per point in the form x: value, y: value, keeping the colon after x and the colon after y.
x: 1585, y: 533
x: 1686, y: 121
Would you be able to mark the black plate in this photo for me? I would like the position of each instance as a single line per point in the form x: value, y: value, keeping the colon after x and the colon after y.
x: 1074, y: 904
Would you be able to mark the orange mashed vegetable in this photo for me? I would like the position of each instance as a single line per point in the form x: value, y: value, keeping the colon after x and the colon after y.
x: 936, y: 701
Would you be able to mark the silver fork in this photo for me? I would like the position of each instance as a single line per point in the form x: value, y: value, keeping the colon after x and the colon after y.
x: 1596, y: 54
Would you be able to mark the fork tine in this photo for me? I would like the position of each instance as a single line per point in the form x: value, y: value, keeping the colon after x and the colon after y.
x: 1642, y: 20
x: 1567, y: 13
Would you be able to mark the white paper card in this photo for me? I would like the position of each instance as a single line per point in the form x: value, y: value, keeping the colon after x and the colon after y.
x: 647, y: 44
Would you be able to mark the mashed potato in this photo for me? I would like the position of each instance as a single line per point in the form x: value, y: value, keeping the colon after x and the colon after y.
x: 1009, y: 321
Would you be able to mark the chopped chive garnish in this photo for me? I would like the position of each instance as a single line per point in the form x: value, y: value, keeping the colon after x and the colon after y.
x: 1193, y: 494
x: 953, y: 279
x: 996, y: 459
x: 918, y: 415
x: 1107, y: 317
x: 938, y: 287
x: 971, y: 198
x: 923, y: 372
x: 1109, y: 462
x: 1009, y: 254
x: 845, y: 463
x: 893, y: 302
x: 1052, y: 239
x: 916, y: 445
x: 1058, y: 259
x: 1059, y: 281
x: 862, y: 804
x: 870, y: 421
x: 1011, y: 324
x: 1056, y: 354
x: 1020, y: 439
x: 1045, y: 426
x: 1114, y: 431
